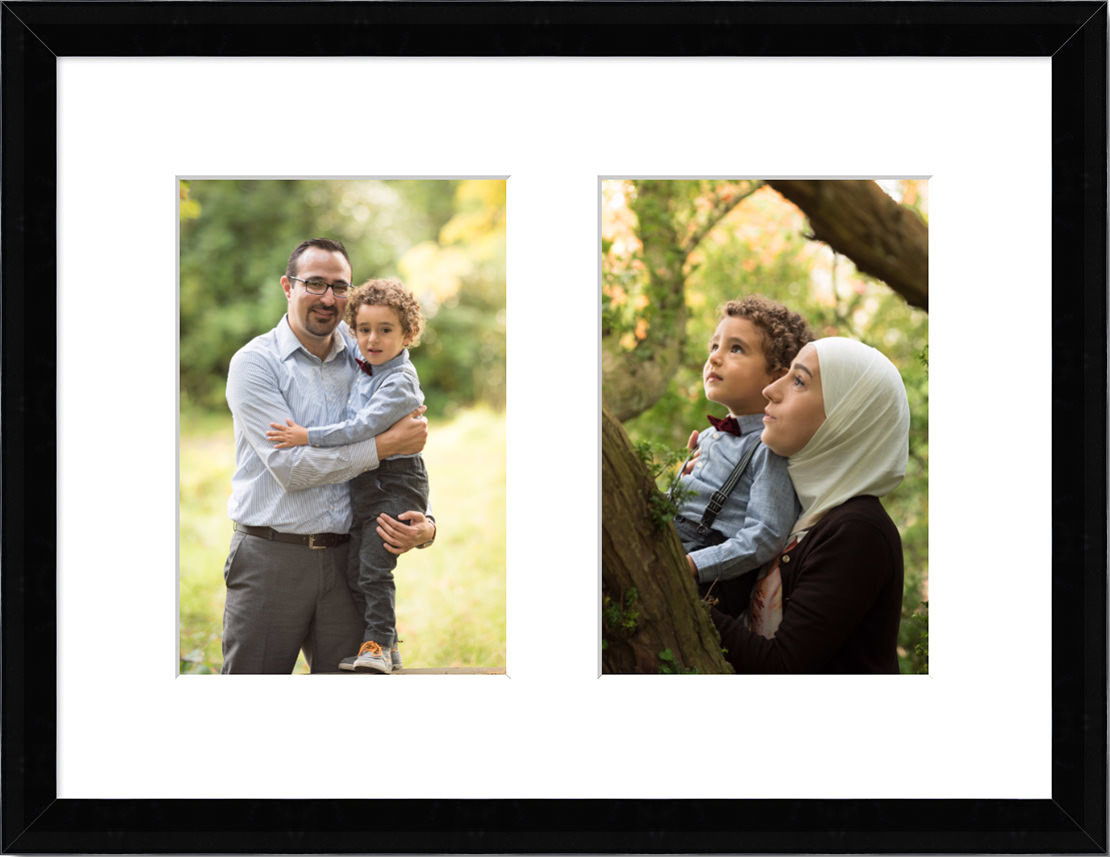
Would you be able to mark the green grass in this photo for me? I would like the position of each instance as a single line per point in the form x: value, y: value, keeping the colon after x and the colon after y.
x: 450, y: 597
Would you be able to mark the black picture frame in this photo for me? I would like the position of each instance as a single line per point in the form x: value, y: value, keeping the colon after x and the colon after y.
x: 1073, y: 34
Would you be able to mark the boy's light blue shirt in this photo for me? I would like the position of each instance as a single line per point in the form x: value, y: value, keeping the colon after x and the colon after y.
x: 298, y: 490
x: 760, y: 511
x: 376, y: 402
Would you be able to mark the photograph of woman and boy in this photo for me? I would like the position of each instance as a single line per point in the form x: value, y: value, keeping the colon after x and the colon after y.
x: 783, y: 518
x: 308, y: 429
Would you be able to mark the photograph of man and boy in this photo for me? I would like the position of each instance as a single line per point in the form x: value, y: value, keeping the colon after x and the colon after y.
x: 764, y: 426
x: 342, y: 432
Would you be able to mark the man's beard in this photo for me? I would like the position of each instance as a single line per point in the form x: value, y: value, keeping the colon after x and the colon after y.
x: 318, y: 325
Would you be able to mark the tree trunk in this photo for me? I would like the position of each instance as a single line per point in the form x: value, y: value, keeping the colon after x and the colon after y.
x: 652, y: 618
x: 884, y: 239
x: 634, y: 379
x: 670, y: 227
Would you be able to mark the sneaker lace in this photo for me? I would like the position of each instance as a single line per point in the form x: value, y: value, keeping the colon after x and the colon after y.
x: 371, y: 647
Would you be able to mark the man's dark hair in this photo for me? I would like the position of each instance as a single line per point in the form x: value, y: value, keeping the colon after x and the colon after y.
x: 323, y: 243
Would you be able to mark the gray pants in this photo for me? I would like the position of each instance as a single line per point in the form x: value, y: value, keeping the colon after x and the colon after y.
x: 282, y: 598
x: 397, y: 485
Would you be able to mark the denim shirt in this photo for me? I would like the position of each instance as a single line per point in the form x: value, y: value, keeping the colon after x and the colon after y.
x: 759, y: 513
x: 376, y: 402
x: 297, y: 490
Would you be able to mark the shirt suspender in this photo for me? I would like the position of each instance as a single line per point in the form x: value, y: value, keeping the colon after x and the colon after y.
x: 717, y: 501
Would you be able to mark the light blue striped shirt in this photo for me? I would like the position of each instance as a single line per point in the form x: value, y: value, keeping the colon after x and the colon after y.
x: 759, y: 513
x: 376, y: 402
x: 302, y: 489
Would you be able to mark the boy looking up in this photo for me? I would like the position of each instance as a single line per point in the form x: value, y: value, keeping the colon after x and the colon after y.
x: 752, y: 346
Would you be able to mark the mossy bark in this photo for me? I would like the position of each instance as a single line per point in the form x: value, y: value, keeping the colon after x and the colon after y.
x: 650, y: 602
x: 634, y: 379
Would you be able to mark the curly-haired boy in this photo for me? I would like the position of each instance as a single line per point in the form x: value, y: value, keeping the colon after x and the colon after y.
x: 385, y: 318
x: 740, y: 504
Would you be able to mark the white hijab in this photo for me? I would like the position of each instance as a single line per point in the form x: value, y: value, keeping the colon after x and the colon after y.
x: 862, y: 446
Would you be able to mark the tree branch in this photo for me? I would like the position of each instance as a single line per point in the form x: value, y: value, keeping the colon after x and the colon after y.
x: 720, y: 210
x: 886, y: 240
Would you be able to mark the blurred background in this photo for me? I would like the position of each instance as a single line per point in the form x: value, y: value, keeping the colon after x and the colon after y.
x: 674, y: 251
x: 446, y: 241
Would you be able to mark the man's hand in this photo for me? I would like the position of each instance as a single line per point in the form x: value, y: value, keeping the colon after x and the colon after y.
x: 405, y: 437
x: 399, y: 537
x: 693, y: 567
x: 285, y: 436
x: 692, y: 444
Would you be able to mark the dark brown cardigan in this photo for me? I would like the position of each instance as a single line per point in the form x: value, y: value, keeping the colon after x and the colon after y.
x: 842, y: 600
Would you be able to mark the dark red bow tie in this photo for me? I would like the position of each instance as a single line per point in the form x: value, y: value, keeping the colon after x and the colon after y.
x: 728, y: 424
x: 364, y: 366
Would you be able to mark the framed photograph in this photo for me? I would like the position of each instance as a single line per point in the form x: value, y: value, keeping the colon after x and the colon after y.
x: 1000, y: 748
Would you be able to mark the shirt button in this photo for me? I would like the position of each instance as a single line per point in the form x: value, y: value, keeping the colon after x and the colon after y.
x: 786, y: 557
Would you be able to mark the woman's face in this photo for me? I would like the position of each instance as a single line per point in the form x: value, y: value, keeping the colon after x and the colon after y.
x: 795, y: 405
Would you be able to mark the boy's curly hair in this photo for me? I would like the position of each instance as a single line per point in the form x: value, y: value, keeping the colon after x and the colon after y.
x: 784, y: 332
x: 393, y: 294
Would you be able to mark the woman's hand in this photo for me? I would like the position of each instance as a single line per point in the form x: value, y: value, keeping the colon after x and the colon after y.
x: 692, y: 443
x: 400, y: 537
x: 407, y: 436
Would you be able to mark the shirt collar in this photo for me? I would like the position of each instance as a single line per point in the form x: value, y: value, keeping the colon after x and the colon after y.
x: 288, y: 342
x: 389, y: 364
x: 749, y: 422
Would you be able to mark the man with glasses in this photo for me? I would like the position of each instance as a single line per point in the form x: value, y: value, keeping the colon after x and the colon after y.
x: 286, y: 570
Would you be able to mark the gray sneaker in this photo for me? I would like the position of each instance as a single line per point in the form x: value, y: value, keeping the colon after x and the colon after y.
x: 370, y: 657
x: 394, y: 660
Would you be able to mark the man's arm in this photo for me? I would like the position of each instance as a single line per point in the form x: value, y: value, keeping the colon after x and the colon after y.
x: 771, y: 513
x: 407, y: 436
x: 255, y: 399
x: 397, y: 396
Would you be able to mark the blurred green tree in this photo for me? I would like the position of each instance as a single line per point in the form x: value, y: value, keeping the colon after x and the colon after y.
x: 235, y: 240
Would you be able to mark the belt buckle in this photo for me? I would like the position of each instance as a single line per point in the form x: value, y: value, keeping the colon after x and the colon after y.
x: 312, y: 544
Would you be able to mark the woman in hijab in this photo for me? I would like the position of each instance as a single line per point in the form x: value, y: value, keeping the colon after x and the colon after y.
x: 832, y: 600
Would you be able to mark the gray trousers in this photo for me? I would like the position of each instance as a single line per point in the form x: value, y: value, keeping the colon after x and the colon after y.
x: 282, y: 598
x: 397, y: 485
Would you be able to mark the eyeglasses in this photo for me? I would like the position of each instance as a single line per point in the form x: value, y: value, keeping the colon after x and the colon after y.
x: 320, y: 287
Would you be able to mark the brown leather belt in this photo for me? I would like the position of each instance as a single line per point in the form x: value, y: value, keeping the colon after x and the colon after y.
x: 316, y: 541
